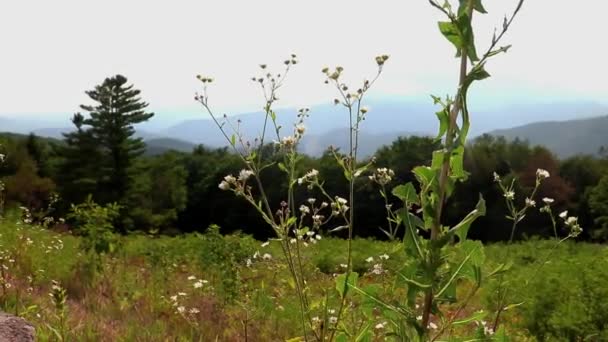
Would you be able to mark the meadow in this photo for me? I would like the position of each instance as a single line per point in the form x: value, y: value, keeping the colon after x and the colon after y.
x: 212, y: 287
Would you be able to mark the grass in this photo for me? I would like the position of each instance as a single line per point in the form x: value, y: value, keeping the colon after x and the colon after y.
x: 209, y: 287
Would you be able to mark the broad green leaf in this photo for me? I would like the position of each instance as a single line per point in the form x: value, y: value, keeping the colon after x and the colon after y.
x: 406, y: 193
x: 438, y: 158
x: 411, y: 240
x: 343, y: 282
x: 462, y: 229
x: 451, y: 33
x: 424, y: 175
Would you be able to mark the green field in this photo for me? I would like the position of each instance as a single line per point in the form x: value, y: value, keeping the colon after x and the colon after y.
x: 232, y: 288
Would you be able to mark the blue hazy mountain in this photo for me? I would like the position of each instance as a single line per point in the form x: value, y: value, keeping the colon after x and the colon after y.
x: 387, y: 119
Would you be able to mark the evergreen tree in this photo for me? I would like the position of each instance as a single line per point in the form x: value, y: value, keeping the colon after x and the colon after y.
x: 78, y: 168
x: 118, y: 107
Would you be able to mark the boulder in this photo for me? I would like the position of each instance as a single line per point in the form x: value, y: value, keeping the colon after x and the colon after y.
x: 15, y: 329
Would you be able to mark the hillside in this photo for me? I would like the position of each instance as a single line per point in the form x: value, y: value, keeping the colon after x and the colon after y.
x: 564, y: 138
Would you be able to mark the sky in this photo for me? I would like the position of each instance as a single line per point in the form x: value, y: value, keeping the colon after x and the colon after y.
x: 52, y: 51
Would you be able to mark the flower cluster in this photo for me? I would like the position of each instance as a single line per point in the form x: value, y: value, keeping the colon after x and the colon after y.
x: 236, y: 184
x: 382, y: 176
x: 310, y: 177
x: 339, y: 206
x: 572, y: 223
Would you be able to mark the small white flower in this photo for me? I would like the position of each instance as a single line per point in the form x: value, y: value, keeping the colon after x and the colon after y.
x: 318, y: 237
x: 183, y: 294
x: 380, y: 326
x: 292, y: 241
x: 245, y: 174
x: 530, y: 202
x: 224, y: 186
x: 570, y: 221
x: 194, y: 311
x: 300, y: 129
x: 509, y: 195
x: 230, y: 179
x: 304, y: 209
x: 370, y: 259
x: 266, y: 244
x: 343, y: 265
x: 191, y: 277
x: 542, y: 174
x: 384, y: 256
x: 433, y: 326
x: 181, y: 309
x: 333, y: 320
x: 198, y: 284
x: 266, y: 256
x: 563, y: 214
x: 341, y: 200
x: 548, y: 200
x: 496, y: 177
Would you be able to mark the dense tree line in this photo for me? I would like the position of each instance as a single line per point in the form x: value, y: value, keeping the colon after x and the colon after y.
x: 178, y: 192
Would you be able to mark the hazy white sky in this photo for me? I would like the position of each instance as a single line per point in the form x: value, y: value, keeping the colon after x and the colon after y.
x: 52, y: 51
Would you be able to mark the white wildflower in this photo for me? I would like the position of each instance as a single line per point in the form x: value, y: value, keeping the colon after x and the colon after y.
x: 245, y: 174
x: 563, y: 214
x: 530, y: 202
x: 542, y: 174
x: 548, y: 200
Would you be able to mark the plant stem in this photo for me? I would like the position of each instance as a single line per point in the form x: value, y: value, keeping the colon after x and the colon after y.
x: 445, y: 169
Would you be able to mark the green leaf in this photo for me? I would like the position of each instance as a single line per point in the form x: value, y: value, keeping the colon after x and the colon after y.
x: 477, y: 316
x: 273, y: 115
x: 462, y: 229
x: 444, y: 121
x: 411, y: 240
x: 424, y: 174
x: 452, y: 34
x: 437, y: 160
x: 366, y: 334
x: 341, y: 337
x: 233, y: 140
x: 342, y: 285
x: 478, y: 73
x: 457, y: 164
x: 282, y: 167
x: 478, y: 6
x: 406, y: 193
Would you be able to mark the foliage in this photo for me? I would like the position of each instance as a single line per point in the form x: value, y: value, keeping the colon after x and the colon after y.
x: 598, y: 203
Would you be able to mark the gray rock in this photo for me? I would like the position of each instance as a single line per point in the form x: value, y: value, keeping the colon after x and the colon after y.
x: 15, y: 329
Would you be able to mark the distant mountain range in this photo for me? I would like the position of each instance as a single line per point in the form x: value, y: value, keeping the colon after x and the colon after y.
x: 564, y: 138
x: 577, y: 127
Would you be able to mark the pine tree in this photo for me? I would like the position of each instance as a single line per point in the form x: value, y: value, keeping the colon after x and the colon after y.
x: 78, y: 169
x: 118, y: 107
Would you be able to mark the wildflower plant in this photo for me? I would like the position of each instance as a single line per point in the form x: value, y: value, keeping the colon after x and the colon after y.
x: 296, y: 225
x: 516, y: 215
x: 434, y: 271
